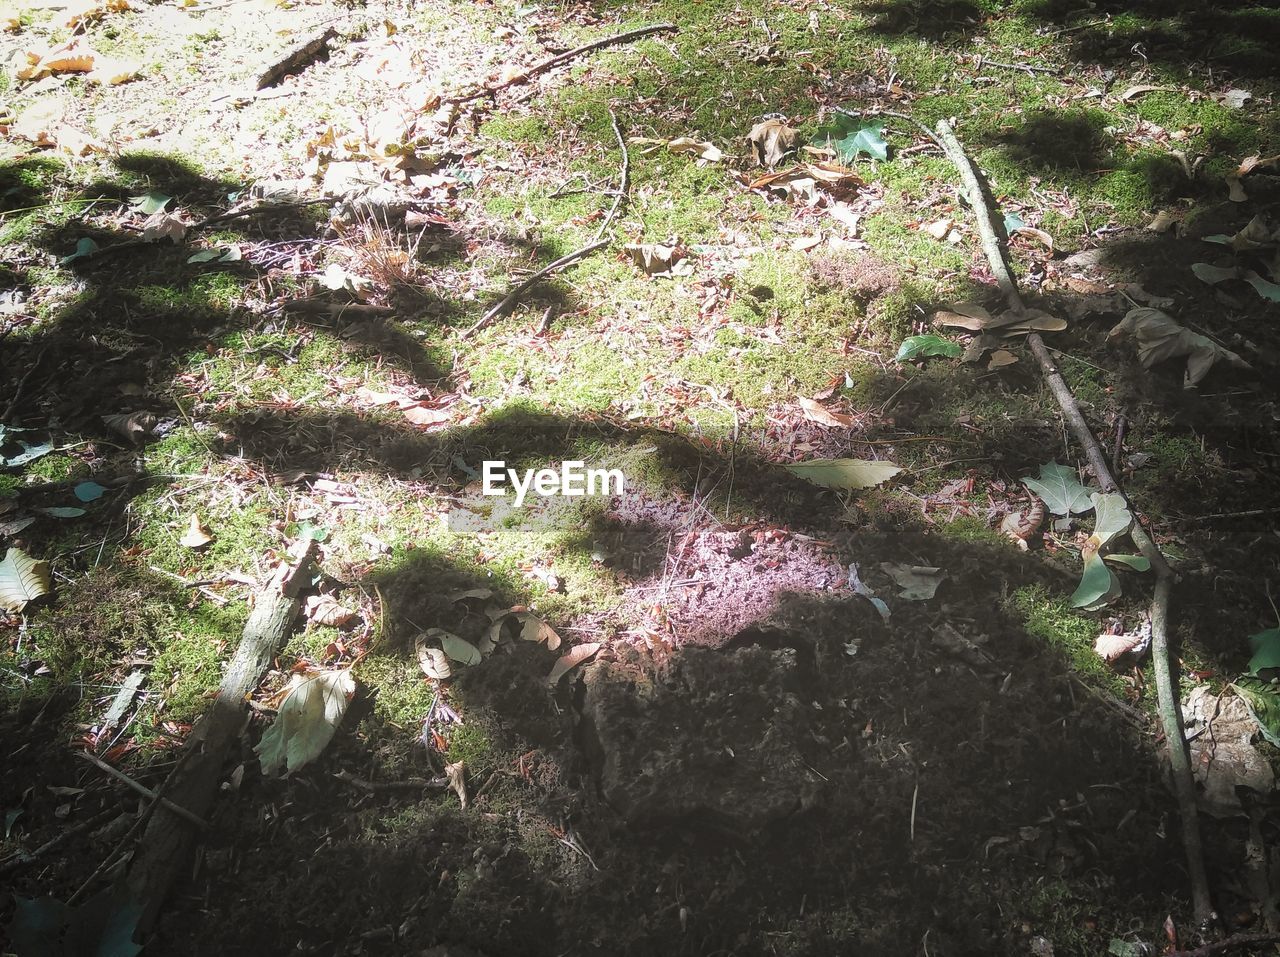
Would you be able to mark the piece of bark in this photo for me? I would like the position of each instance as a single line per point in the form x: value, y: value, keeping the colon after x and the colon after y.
x: 297, y: 59
x: 164, y: 851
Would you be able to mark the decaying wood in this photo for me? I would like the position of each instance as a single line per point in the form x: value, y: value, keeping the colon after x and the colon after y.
x: 164, y: 852
x: 1169, y: 706
x: 296, y: 59
x: 560, y: 58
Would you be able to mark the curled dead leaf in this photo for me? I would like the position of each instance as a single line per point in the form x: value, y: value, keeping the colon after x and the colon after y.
x: 134, y: 426
x: 533, y: 628
x: 771, y: 141
x: 658, y: 260
x: 196, y: 535
x: 816, y: 412
x: 571, y: 660
x: 327, y: 610
x: 424, y: 417
x: 699, y: 148
x: 457, y: 775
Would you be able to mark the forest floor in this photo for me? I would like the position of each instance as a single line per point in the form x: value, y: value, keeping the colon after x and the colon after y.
x: 233, y: 318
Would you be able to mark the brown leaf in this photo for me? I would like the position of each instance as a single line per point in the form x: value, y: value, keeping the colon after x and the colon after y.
x: 534, y: 628
x: 196, y: 535
x: 457, y: 775
x: 1135, y: 91
x: 571, y: 660
x: 659, y: 260
x: 701, y: 149
x: 134, y: 426
x: 326, y: 610
x: 771, y: 140
x: 815, y: 412
x: 1111, y: 647
x: 433, y: 661
x: 1001, y: 358
x: 427, y: 418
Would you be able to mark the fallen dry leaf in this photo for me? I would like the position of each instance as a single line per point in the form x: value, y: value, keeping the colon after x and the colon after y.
x: 815, y: 412
x: 196, y: 535
x: 659, y: 260
x: 326, y: 610
x: 534, y: 628
x: 426, y: 418
x: 1001, y: 358
x: 771, y: 140
x: 457, y: 775
x: 703, y: 150
x: 1160, y: 337
x: 571, y: 660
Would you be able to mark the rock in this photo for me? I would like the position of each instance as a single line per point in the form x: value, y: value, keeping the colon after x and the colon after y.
x: 715, y: 735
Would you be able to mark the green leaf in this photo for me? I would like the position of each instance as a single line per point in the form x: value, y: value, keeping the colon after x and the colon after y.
x: 1136, y: 562
x: 204, y: 256
x: 1213, y: 274
x: 23, y: 579
x: 16, y: 451
x: 1112, y: 517
x: 844, y: 473
x: 1265, y: 289
x: 150, y: 203
x: 317, y: 533
x: 1012, y: 223
x: 849, y: 136
x: 917, y: 347
x: 1265, y: 646
x: 1098, y: 584
x: 1264, y: 705
x: 89, y: 491
x: 84, y: 247
x: 102, y: 926
x: 460, y: 650
x: 307, y: 720
x: 61, y: 511
x: 1060, y: 489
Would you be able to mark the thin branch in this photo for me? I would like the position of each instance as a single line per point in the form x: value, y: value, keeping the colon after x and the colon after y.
x: 1226, y: 944
x: 1169, y: 706
x: 552, y: 62
x: 624, y: 181
x: 23, y: 859
x: 1024, y: 67
x: 410, y: 784
x: 142, y: 789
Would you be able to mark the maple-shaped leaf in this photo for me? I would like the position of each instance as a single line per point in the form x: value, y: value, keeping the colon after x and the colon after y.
x: 851, y: 136
x: 1060, y: 489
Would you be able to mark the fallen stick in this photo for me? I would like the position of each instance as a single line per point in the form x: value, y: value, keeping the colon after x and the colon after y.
x: 142, y: 789
x: 1226, y: 944
x: 23, y: 859
x: 552, y: 62
x: 410, y: 784
x: 624, y: 180
x: 164, y: 851
x: 1167, y: 700
x: 1025, y: 67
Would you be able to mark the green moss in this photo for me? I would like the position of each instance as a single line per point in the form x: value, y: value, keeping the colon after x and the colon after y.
x: 469, y: 743
x: 212, y: 292
x: 54, y: 467
x: 1050, y: 618
x: 970, y: 528
x: 188, y: 667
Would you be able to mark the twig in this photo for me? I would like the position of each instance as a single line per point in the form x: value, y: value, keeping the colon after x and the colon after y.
x: 1247, y: 513
x: 21, y: 859
x: 1227, y: 943
x: 1169, y: 707
x: 1078, y: 26
x: 552, y: 62
x: 1025, y: 67
x: 142, y: 789
x: 624, y: 181
x: 22, y: 385
x: 411, y: 784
